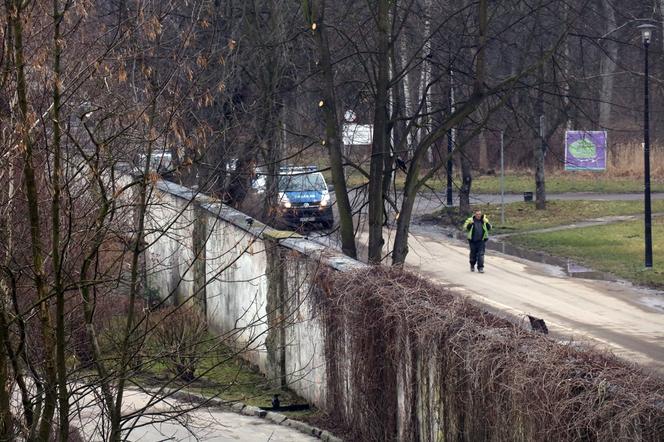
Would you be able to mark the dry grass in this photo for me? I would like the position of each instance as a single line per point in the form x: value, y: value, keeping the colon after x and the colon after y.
x: 626, y: 160
x: 407, y: 360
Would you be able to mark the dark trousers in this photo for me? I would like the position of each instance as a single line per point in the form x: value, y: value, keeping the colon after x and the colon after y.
x: 477, y: 253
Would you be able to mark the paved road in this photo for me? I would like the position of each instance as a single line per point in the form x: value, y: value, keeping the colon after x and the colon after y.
x: 209, y: 425
x: 624, y: 319
x: 617, y: 316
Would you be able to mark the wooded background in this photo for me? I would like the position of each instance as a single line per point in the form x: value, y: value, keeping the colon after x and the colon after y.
x: 89, y: 87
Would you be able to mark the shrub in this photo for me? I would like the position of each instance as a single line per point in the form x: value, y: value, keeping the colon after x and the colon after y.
x: 178, y: 335
x: 109, y: 321
x: 410, y: 360
x: 112, y: 341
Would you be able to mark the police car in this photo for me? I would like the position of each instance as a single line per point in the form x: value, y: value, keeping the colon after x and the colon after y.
x: 303, y: 197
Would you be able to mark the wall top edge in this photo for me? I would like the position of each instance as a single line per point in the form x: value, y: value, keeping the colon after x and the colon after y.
x: 287, y: 239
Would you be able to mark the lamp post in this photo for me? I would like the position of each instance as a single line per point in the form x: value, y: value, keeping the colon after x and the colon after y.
x: 646, y: 36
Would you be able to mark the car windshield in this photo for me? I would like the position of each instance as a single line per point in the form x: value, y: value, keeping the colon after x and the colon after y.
x: 301, y: 182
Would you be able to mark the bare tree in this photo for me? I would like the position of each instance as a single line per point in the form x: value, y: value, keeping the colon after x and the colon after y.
x: 315, y: 14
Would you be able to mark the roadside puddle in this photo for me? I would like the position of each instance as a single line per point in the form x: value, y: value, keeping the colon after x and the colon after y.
x: 569, y: 267
x: 656, y: 303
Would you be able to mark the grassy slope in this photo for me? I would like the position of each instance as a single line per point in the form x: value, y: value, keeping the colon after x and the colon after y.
x: 555, y: 183
x: 226, y: 376
x: 563, y: 183
x: 615, y: 248
x: 522, y: 216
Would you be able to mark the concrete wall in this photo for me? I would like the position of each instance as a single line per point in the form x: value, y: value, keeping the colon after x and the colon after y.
x: 259, y: 287
x: 254, y: 282
x: 237, y: 285
x: 169, y: 234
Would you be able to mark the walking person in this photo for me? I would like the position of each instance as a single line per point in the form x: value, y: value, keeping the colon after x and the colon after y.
x: 478, y: 227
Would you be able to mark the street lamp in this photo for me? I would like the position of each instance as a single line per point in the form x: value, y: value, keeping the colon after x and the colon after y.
x: 646, y: 34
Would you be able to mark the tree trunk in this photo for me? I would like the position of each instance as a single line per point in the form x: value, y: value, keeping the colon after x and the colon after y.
x: 8, y: 296
x: 379, y: 144
x: 270, y: 76
x: 388, y: 158
x: 607, y: 68
x: 540, y: 190
x: 484, y: 151
x: 61, y: 342
x: 405, y: 90
x: 400, y: 249
x: 413, y: 181
x: 466, y: 165
x: 425, y: 78
x: 271, y: 156
x: 540, y: 145
x: 127, y: 348
x: 483, y: 154
x: 6, y: 432
x: 34, y: 221
x: 661, y: 11
x: 566, y: 64
x: 333, y: 139
x: 466, y: 182
x: 88, y: 301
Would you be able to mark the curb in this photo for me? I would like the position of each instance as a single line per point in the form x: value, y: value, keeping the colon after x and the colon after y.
x: 246, y: 410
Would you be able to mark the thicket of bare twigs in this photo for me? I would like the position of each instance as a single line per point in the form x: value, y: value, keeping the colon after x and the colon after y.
x: 408, y: 360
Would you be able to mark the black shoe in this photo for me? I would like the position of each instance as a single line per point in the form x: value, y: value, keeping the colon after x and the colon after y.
x: 480, y: 270
x: 472, y: 268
